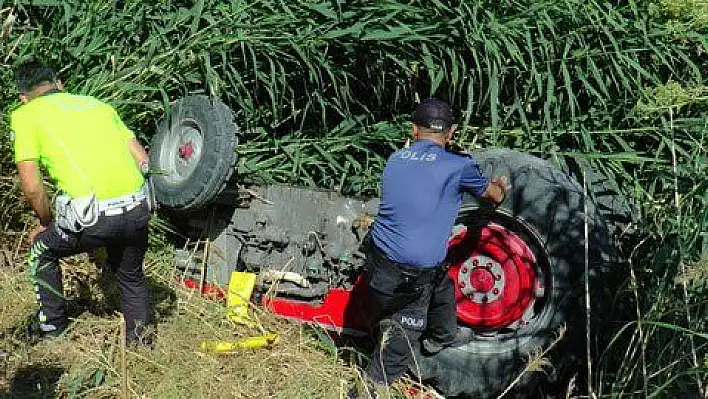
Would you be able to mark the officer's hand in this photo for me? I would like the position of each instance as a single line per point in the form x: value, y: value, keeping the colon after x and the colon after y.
x: 34, y: 233
x: 501, y: 181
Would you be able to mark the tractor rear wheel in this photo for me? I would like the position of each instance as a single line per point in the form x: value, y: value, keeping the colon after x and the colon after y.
x: 519, y: 274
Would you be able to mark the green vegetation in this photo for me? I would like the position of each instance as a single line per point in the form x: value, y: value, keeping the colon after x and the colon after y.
x: 321, y: 91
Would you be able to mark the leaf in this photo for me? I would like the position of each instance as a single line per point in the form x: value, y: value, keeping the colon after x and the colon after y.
x: 325, y: 340
x: 494, y: 96
x: 387, y: 34
x: 98, y: 377
x: 196, y: 12
x: 323, y: 9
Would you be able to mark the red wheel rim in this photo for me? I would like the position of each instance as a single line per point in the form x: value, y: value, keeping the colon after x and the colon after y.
x: 186, y: 150
x: 496, y: 282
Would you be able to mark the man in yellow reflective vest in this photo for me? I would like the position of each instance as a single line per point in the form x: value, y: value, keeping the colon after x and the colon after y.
x: 98, y: 165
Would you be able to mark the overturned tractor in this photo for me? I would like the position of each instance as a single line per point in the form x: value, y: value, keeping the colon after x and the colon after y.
x: 519, y: 269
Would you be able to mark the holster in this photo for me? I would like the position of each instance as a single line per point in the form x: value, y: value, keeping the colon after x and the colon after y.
x: 76, y: 214
x: 402, y: 284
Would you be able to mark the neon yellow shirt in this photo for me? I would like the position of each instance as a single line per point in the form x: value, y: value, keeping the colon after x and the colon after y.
x: 82, y: 143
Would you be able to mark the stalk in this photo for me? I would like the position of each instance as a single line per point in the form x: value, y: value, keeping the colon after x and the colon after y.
x: 682, y: 265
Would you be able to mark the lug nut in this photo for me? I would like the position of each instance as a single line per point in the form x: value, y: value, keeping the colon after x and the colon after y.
x: 464, y: 269
x: 462, y: 284
x: 475, y: 262
x: 495, y: 291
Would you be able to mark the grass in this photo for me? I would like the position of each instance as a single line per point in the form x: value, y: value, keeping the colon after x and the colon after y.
x: 321, y: 90
x: 87, y: 362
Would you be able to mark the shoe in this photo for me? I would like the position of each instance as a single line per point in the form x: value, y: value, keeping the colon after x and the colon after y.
x: 366, y: 394
x: 462, y: 336
x: 47, y: 332
x: 367, y: 390
x: 144, y: 342
x: 143, y: 337
x: 354, y: 394
x: 54, y: 334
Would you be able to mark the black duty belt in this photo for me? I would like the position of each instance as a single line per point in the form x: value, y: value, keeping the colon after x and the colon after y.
x: 423, y: 275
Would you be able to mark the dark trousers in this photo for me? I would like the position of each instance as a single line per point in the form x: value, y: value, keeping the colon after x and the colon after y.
x: 406, y: 303
x: 125, y: 237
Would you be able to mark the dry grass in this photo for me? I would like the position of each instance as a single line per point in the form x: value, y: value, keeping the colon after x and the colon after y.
x: 87, y: 362
x: 695, y: 274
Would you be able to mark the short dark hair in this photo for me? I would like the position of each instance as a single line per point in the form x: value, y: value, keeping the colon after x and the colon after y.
x: 30, y: 74
x: 427, y: 130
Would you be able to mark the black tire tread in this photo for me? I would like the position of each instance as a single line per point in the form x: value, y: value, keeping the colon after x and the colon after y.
x: 486, y: 366
x: 220, y: 135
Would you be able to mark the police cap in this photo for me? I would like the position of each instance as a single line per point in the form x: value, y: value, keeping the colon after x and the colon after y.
x: 434, y: 114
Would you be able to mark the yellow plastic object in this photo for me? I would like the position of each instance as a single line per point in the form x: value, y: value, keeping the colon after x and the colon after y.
x: 259, y: 341
x: 239, y: 293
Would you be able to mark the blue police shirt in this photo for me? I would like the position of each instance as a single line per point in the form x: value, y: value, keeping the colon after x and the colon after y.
x: 421, y: 195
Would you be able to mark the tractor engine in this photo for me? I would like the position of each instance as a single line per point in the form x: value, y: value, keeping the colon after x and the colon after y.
x: 301, y: 242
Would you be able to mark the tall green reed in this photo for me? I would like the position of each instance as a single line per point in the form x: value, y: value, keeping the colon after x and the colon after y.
x: 322, y: 89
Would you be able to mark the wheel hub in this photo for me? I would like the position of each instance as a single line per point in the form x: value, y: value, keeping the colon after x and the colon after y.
x: 481, y: 279
x: 496, y: 278
x: 186, y: 150
x: 183, y: 153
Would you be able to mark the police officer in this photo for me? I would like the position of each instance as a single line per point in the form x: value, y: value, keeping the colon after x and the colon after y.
x: 98, y: 165
x: 412, y: 296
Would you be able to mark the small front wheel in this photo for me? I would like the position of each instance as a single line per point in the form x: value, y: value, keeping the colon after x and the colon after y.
x: 194, y: 150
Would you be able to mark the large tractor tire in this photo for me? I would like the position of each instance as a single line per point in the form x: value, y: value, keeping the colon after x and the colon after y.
x: 193, y: 150
x: 519, y: 271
